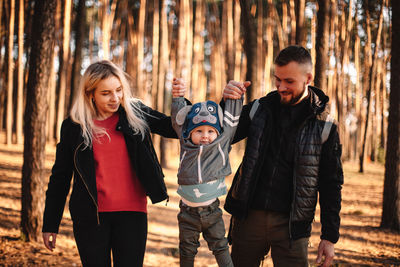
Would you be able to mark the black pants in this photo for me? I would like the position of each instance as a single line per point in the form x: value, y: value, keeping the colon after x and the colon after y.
x: 124, y: 233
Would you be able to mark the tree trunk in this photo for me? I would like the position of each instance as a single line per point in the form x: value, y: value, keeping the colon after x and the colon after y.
x: 163, y: 68
x: 42, y: 46
x: 20, y: 98
x: 63, y: 67
x: 10, y: 72
x: 249, y: 46
x: 301, y: 30
x: 391, y: 191
x: 198, y: 92
x: 140, y: 49
x: 237, y: 44
x: 270, y: 47
x: 292, y: 12
x: 371, y: 82
x: 80, y: 25
x: 321, y: 46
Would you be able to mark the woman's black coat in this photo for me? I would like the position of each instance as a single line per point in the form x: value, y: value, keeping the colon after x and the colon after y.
x: 73, y: 157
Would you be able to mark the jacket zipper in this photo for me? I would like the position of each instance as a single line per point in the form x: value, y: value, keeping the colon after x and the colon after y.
x: 222, y: 154
x: 87, y: 188
x: 294, y: 177
x: 199, y: 165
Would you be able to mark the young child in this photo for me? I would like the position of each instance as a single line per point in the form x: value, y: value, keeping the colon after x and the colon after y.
x: 205, y: 134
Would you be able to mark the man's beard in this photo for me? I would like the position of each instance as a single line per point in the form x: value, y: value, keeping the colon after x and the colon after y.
x: 294, y: 99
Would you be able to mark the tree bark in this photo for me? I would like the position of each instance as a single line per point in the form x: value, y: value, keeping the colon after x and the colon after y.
x: 322, y: 44
x: 249, y: 46
x: 63, y: 67
x: 371, y: 82
x: 10, y: 74
x: 20, y: 94
x: 391, y: 191
x: 42, y: 46
x: 80, y: 25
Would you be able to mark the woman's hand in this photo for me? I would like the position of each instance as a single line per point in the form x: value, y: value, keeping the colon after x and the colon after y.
x: 178, y: 87
x: 235, y: 90
x: 49, y: 240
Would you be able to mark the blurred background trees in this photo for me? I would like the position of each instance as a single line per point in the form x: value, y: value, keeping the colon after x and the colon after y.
x: 207, y: 43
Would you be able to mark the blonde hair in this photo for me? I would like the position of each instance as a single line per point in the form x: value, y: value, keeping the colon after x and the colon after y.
x: 83, y: 110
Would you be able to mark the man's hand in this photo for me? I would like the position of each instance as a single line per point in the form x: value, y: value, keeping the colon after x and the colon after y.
x: 327, y: 249
x: 50, y: 244
x: 178, y: 87
x: 235, y: 90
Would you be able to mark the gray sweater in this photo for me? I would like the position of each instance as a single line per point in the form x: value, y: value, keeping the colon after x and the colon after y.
x: 204, y: 163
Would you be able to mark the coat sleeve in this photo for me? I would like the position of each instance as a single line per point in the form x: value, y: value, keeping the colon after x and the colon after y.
x: 244, y: 122
x: 158, y: 122
x: 232, y: 113
x: 60, y: 181
x: 330, y: 186
x: 177, y: 104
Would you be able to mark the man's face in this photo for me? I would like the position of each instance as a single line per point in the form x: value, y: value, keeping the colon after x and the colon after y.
x: 291, y: 81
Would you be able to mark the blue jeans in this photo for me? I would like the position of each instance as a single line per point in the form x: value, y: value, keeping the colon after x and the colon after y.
x: 124, y: 233
x: 207, y: 220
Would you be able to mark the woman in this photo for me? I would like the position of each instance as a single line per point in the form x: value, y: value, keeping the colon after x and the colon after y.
x: 105, y: 144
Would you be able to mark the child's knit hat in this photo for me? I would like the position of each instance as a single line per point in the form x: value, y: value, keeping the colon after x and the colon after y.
x: 203, y: 113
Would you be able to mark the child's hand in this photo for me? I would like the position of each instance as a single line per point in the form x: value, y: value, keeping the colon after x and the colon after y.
x: 178, y: 87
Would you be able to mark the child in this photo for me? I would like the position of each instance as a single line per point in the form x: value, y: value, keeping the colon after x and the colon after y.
x: 205, y: 139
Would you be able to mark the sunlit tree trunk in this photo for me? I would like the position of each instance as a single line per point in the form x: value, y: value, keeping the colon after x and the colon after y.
x: 198, y: 92
x: 162, y: 71
x: 237, y: 44
x: 301, y: 30
x: 63, y: 66
x: 270, y: 46
x: 156, y: 44
x: 292, y: 12
x: 32, y: 188
x: 249, y: 46
x: 131, y: 53
x: 140, y: 49
x: 391, y: 192
x: 107, y: 19
x: 80, y: 25
x: 322, y: 44
x: 10, y: 74
x: 20, y: 94
x: 259, y: 83
x: 371, y: 81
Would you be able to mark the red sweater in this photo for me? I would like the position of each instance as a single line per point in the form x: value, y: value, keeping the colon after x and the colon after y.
x: 118, y: 188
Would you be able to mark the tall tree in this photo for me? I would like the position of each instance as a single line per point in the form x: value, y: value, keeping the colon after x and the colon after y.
x: 20, y: 90
x: 10, y: 72
x: 249, y: 45
x: 391, y: 191
x: 63, y: 66
x: 322, y: 43
x: 371, y: 82
x: 79, y: 27
x: 42, y: 46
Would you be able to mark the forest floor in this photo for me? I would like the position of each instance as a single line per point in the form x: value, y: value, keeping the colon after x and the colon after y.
x: 362, y: 242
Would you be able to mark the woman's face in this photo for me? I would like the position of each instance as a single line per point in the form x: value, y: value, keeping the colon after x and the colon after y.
x: 107, y: 97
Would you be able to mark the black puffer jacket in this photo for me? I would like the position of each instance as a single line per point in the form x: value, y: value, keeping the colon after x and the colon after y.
x: 317, y: 167
x: 73, y: 157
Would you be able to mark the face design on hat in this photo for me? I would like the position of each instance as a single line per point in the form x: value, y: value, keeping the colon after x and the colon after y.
x: 203, y: 113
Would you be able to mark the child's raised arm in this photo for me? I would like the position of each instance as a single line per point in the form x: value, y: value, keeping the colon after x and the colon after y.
x: 178, y: 102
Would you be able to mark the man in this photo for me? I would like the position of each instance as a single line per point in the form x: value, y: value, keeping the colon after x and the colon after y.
x: 292, y: 154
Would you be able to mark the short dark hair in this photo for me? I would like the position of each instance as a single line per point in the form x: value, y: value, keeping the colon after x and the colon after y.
x: 293, y: 53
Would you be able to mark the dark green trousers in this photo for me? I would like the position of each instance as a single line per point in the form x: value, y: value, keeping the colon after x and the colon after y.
x: 208, y: 221
x: 264, y: 231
